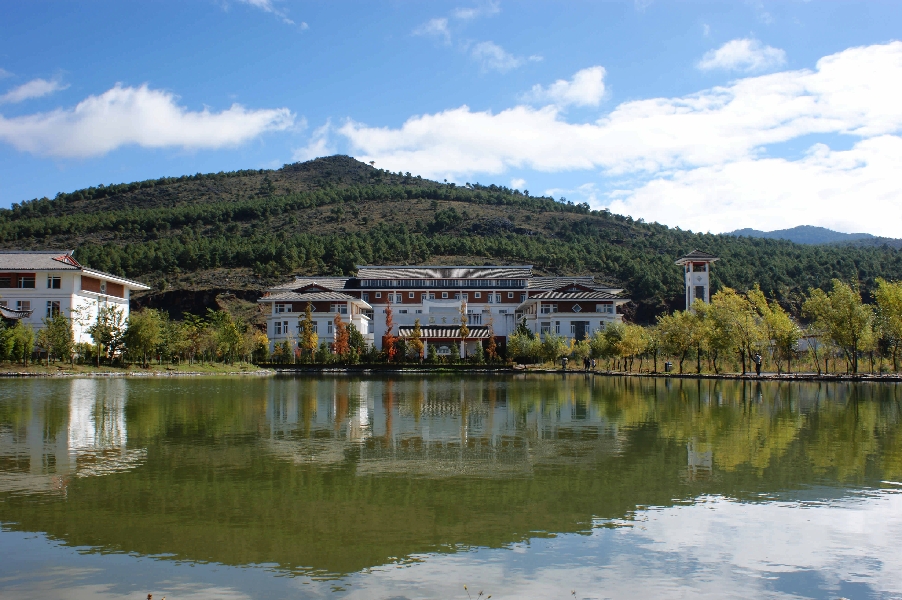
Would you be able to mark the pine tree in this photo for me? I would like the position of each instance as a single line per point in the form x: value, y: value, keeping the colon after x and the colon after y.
x: 389, y: 339
x: 415, y: 341
x: 309, y: 340
x: 341, y: 346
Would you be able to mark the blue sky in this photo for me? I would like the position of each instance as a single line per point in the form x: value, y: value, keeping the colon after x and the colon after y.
x: 710, y: 116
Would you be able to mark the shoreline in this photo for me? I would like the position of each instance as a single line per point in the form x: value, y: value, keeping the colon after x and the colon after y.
x: 286, y: 370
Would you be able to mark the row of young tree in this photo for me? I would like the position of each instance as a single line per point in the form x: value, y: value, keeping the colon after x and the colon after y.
x: 350, y: 346
x: 734, y: 328
x: 146, y: 336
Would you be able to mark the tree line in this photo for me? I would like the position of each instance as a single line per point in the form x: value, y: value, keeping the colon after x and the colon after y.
x: 145, y: 337
x: 728, y: 333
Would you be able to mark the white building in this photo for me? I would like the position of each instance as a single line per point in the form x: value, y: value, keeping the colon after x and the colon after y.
x: 39, y: 284
x: 494, y: 298
x: 288, y: 306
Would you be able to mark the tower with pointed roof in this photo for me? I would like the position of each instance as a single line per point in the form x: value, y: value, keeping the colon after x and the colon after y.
x: 697, y: 274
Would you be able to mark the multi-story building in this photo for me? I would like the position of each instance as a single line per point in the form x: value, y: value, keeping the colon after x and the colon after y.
x: 35, y: 285
x: 493, y: 298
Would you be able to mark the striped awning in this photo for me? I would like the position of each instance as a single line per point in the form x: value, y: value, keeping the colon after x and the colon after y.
x: 446, y: 332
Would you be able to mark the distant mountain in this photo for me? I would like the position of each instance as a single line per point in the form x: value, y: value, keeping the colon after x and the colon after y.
x: 805, y: 234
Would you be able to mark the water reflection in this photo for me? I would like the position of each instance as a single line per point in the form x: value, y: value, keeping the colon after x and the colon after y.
x: 330, y: 476
x: 47, y: 441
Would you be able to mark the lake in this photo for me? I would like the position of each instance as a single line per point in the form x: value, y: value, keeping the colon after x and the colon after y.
x: 413, y: 486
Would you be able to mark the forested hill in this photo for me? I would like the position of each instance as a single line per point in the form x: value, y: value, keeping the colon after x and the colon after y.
x: 246, y: 229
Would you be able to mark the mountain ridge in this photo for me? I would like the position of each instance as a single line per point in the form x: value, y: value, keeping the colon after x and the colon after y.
x: 245, y: 230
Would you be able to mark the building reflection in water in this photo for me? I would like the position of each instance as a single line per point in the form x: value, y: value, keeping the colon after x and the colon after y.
x: 54, y: 441
x: 434, y: 428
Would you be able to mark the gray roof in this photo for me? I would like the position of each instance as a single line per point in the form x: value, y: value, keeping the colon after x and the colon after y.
x: 54, y: 260
x: 552, y: 283
x: 310, y: 297
x: 38, y: 260
x: 427, y: 332
x: 330, y: 283
x: 443, y: 272
x: 13, y: 314
x: 696, y: 255
x: 596, y: 295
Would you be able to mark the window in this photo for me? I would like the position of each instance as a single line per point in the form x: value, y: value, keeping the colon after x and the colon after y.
x: 23, y: 304
x: 365, y: 296
x: 341, y: 309
x: 523, y: 297
x: 572, y: 327
x: 403, y: 311
x: 474, y: 318
x: 477, y: 294
x: 6, y: 282
x: 280, y: 308
x: 329, y: 327
x: 410, y: 294
x: 53, y: 308
x: 398, y: 298
x: 503, y: 311
x: 444, y: 294
x: 277, y: 328
x: 700, y: 292
x: 547, y: 309
x: 557, y: 326
x: 510, y: 294
x: 577, y: 308
x: 419, y: 311
x: 545, y: 327
x: 314, y: 328
x: 281, y: 327
x: 432, y: 296
x: 604, y: 308
x: 26, y: 281
x: 53, y: 282
x: 378, y: 294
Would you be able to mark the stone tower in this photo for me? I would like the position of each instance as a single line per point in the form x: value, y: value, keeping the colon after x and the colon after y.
x: 697, y: 273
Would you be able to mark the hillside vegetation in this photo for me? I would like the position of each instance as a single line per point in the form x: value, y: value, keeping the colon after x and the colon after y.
x: 243, y: 230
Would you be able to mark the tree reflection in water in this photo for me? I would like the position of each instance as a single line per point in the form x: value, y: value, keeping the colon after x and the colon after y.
x: 333, y: 475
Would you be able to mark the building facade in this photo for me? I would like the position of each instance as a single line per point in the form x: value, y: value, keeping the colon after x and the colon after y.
x: 35, y: 285
x: 493, y: 298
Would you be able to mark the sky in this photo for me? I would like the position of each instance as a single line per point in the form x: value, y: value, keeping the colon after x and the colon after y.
x: 708, y: 116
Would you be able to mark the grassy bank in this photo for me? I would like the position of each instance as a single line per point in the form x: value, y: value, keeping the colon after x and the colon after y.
x: 67, y: 370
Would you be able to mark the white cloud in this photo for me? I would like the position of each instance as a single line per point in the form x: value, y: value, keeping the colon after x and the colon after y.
x: 268, y: 6
x: 692, y: 145
x: 436, y: 28
x: 136, y: 116
x: 486, y: 9
x: 4, y: 73
x: 850, y: 190
x: 493, y: 57
x: 320, y: 144
x: 517, y: 183
x: 747, y: 55
x: 585, y: 89
x: 36, y: 88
